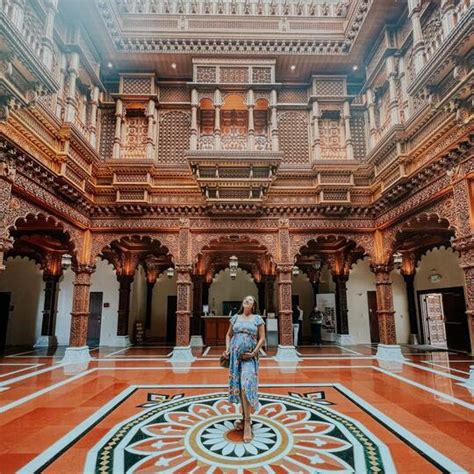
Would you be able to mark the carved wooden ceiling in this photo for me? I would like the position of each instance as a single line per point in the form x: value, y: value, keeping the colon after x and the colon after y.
x: 333, y: 44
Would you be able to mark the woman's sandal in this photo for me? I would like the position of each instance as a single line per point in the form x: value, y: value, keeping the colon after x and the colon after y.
x: 248, y: 435
x: 239, y: 424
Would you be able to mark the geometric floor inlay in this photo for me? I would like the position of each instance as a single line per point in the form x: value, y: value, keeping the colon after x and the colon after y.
x: 306, y: 429
x: 192, y: 434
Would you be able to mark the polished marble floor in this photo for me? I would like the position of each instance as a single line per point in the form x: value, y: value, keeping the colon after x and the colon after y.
x: 338, y: 409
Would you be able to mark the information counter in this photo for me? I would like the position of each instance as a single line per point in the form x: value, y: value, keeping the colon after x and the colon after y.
x: 215, y: 329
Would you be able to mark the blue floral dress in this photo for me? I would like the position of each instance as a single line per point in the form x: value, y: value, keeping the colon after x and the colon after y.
x: 244, y: 373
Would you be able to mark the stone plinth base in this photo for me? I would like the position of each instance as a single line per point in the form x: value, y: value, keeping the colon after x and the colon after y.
x: 344, y: 339
x: 182, y: 354
x: 287, y: 354
x: 46, y: 341
x: 470, y: 381
x: 196, y: 341
x: 389, y: 352
x: 76, y: 355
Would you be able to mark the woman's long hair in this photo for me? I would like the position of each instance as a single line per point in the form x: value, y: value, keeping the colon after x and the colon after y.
x: 254, y: 306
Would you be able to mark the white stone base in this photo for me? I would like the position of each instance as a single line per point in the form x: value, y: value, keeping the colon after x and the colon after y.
x: 46, y: 341
x: 344, y: 339
x: 76, y: 355
x: 286, y: 354
x: 197, y: 341
x: 119, y: 341
x: 470, y: 381
x: 389, y: 352
x: 182, y: 354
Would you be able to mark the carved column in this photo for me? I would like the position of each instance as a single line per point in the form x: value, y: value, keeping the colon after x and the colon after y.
x: 315, y: 116
x: 150, y: 139
x: 414, y: 7
x: 385, y: 311
x: 286, y: 349
x: 251, y: 130
x: 347, y: 129
x: 372, y: 125
x: 274, y: 122
x: 194, y: 122
x: 71, y: 105
x: 463, y: 198
x: 184, y: 292
x: 7, y: 176
x: 285, y: 312
x: 125, y: 282
x: 341, y: 303
x: 118, y: 129
x: 391, y: 70
x: 217, y: 119
x: 80, y: 305
x: 315, y: 287
x: 94, y: 102
x: 47, y: 39
x: 184, y: 288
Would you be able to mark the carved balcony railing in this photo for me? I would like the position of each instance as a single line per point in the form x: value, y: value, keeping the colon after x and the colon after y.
x: 234, y: 177
x: 236, y: 7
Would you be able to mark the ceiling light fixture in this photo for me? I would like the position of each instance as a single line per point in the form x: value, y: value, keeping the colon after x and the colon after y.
x: 292, y: 67
x: 173, y: 65
x: 110, y: 65
x: 355, y: 67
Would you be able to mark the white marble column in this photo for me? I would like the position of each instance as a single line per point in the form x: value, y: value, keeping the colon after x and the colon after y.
x: 118, y: 129
x: 217, y: 119
x: 274, y: 122
x: 448, y: 11
x: 372, y: 125
x: 17, y: 13
x: 347, y: 130
x: 251, y: 129
x: 94, y: 102
x: 391, y: 70
x: 47, y: 39
x: 71, y: 105
x: 418, y: 43
x: 194, y: 123
x: 150, y: 139
x: 315, y: 116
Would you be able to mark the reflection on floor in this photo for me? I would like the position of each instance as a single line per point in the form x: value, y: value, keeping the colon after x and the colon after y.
x: 337, y: 410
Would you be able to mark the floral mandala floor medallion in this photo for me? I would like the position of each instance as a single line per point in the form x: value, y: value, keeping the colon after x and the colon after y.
x: 298, y: 432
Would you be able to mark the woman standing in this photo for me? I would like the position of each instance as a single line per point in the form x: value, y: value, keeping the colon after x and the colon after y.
x: 245, y: 337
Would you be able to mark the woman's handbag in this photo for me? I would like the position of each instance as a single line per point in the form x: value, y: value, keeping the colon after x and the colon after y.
x: 224, y: 362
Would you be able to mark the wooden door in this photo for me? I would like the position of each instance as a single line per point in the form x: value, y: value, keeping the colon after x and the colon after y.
x: 457, y: 330
x: 432, y: 314
x: 171, y: 320
x: 373, y: 320
x: 4, y: 314
x: 95, y: 318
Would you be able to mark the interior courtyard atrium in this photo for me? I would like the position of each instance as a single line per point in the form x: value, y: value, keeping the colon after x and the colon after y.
x: 162, y: 161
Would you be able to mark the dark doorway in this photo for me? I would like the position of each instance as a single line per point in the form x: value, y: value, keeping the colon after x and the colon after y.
x: 171, y: 321
x: 95, y: 318
x: 455, y: 319
x: 374, y: 324
x: 4, y: 314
